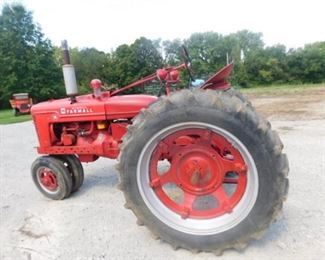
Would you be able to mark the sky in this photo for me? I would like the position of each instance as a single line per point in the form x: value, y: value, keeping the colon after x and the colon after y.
x: 105, y: 24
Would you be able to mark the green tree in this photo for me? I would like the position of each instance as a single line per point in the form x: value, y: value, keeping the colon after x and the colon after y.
x: 243, y: 42
x: 266, y: 66
x: 26, y: 57
x: 240, y: 45
x: 121, y: 69
x: 89, y: 64
x: 131, y: 62
x: 208, y: 52
x: 172, y: 52
x: 307, y: 65
x: 145, y: 57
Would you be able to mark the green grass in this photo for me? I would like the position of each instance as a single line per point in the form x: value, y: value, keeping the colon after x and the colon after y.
x: 282, y: 89
x: 7, y: 117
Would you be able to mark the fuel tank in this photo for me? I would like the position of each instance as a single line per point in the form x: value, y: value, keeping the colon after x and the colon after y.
x: 127, y: 106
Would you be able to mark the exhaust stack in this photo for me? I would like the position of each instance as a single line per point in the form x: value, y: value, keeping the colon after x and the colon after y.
x: 69, y: 74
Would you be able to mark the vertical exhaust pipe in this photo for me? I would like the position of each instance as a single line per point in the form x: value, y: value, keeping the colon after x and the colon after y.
x: 69, y: 74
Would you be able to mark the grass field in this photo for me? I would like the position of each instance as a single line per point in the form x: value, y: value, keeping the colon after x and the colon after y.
x: 7, y: 117
x: 281, y: 89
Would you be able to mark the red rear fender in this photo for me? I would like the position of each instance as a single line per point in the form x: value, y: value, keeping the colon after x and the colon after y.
x: 219, y: 80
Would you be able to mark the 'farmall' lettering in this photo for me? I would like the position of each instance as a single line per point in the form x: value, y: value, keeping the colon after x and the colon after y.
x: 75, y: 110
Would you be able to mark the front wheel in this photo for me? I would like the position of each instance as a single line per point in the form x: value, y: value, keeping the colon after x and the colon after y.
x: 74, y: 166
x: 203, y: 171
x: 51, y: 177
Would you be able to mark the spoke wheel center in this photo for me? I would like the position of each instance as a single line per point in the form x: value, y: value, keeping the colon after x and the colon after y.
x: 48, y: 180
x: 206, y: 176
x: 198, y: 173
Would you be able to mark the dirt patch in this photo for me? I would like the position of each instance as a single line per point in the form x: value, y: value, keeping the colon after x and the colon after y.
x: 300, y: 105
x: 28, y: 229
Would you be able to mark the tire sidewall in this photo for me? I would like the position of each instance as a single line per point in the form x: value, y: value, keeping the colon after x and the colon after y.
x: 75, y: 169
x: 77, y: 172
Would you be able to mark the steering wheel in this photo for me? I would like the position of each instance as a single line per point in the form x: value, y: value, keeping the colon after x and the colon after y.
x: 187, y: 62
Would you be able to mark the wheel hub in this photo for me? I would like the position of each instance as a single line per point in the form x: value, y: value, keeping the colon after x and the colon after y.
x: 198, y: 173
x: 48, y: 179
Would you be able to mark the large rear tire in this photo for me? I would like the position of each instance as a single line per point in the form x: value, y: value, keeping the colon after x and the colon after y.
x: 234, y: 92
x: 203, y: 171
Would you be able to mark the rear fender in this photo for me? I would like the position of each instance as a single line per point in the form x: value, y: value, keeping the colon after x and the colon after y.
x: 220, y: 79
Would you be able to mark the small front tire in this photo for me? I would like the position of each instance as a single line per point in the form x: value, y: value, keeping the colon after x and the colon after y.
x: 74, y: 166
x: 51, y: 177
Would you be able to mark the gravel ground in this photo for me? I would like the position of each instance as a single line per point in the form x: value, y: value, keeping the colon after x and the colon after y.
x: 93, y: 224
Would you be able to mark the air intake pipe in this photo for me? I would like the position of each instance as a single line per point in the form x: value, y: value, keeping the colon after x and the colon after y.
x: 69, y: 74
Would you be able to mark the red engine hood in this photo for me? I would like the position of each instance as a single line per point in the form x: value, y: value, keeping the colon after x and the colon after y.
x: 127, y: 106
x: 89, y: 108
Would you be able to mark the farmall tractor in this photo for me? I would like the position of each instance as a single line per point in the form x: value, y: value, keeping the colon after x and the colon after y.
x: 199, y: 167
x: 21, y: 103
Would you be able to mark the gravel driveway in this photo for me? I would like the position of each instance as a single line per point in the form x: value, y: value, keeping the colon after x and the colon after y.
x: 93, y: 224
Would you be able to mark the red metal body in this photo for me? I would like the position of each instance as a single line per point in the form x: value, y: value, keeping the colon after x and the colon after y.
x: 93, y: 125
x: 219, y: 80
x: 21, y: 102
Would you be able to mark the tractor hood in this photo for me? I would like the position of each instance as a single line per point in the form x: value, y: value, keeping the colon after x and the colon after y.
x: 89, y: 108
x: 127, y: 106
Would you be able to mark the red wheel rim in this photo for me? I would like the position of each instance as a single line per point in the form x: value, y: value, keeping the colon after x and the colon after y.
x: 48, y: 179
x: 210, y: 173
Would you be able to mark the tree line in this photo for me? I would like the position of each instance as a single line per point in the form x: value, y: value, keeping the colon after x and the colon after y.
x: 30, y: 63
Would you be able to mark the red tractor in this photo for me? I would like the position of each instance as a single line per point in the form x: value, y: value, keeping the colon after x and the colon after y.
x: 199, y: 167
x: 21, y: 103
